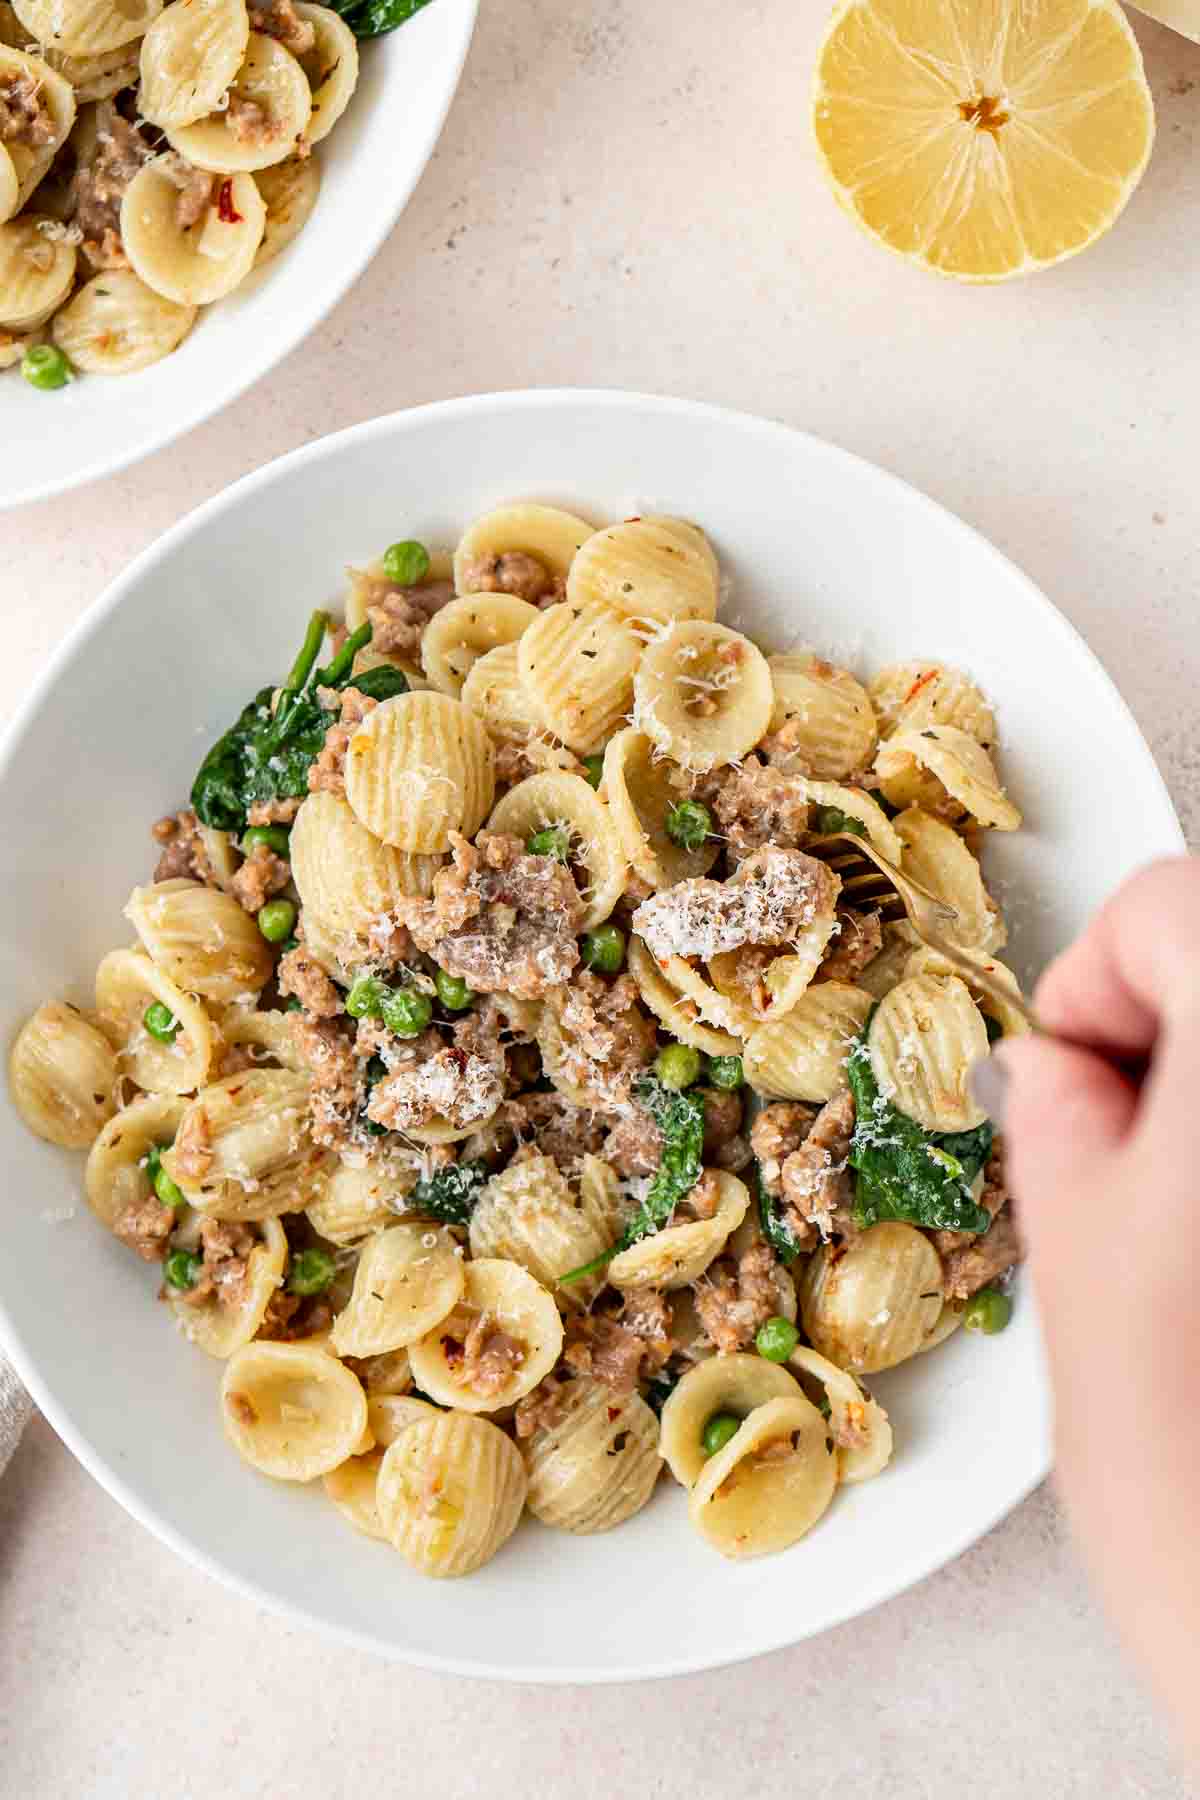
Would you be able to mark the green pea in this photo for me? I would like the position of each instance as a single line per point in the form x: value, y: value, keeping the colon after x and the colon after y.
x: 677, y: 1066
x: 374, y: 1128
x: 453, y: 991
x: 311, y: 1272
x: 182, y: 1269
x: 593, y: 768
x: 407, y: 1012
x: 160, y: 1022
x: 293, y: 1004
x: 718, y: 1431
x: 168, y: 1191
x: 776, y: 1340
x: 688, y: 824
x: 366, y: 997
x: 406, y: 563
x: 554, y: 841
x: 275, y: 837
x: 604, y: 949
x: 276, y: 919
x: 45, y: 367
x: 831, y: 818
x: 988, y: 1311
x: 726, y: 1072
x: 993, y: 1027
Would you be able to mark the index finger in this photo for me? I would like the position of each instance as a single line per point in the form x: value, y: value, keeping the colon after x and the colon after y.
x: 1137, y: 963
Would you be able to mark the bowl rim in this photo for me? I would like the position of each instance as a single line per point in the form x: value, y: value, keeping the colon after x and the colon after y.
x: 344, y: 276
x: 907, y: 1570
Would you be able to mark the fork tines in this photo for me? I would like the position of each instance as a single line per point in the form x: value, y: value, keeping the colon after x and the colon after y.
x: 864, y: 887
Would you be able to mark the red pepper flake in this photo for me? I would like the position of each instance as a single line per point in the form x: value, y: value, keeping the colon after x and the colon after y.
x: 921, y: 682
x: 226, y: 211
x: 614, y: 1412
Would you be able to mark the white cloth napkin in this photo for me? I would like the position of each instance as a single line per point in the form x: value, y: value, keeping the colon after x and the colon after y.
x: 15, y: 1408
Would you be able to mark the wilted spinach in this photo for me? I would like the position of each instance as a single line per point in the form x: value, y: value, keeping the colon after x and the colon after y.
x: 449, y: 1194
x: 266, y: 753
x: 775, y: 1227
x: 372, y: 18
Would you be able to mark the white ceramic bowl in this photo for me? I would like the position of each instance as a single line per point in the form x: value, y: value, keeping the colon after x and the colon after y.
x: 370, y: 165
x: 820, y: 547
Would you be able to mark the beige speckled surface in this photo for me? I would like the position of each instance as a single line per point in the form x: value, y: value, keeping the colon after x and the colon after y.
x: 625, y: 197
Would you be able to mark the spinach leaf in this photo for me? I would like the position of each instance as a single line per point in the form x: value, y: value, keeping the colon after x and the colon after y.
x: 659, y: 1390
x: 266, y: 753
x: 904, y: 1172
x: 774, y: 1226
x: 372, y: 18
x: 450, y: 1194
x: 680, y: 1118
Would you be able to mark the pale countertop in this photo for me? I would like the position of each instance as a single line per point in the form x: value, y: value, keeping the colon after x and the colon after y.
x: 625, y: 197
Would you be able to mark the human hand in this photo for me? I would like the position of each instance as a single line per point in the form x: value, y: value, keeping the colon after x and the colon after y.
x: 1106, y: 1170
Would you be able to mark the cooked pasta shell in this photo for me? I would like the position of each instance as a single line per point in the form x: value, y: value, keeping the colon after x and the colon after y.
x: 862, y: 1432
x: 289, y: 191
x: 891, y: 965
x: 786, y: 977
x: 494, y: 692
x: 468, y: 628
x: 344, y: 875
x: 1010, y: 1018
x: 291, y: 1410
x: 936, y: 856
x: 638, y: 789
x: 734, y: 1384
x: 221, y: 1326
x: 654, y: 568
x: 450, y: 1493
x: 557, y: 798
x: 13, y: 347
x: 597, y: 1464
x: 802, y: 1056
x: 874, y: 1302
x: 409, y: 1277
x: 703, y: 694
x: 262, y: 1159
x: 331, y: 67
x: 357, y: 1202
x: 832, y: 719
x: 95, y: 77
x: 27, y: 162
x: 928, y: 767
x: 911, y: 696
x: 527, y: 1214
x: 858, y: 804
x: 36, y: 273
x: 62, y: 1075
x: 127, y: 982
x: 390, y: 1414
x: 115, y: 1177
x: 500, y: 1297
x: 10, y: 186
x: 352, y: 1488
x: 546, y: 533
x: 116, y: 325
x: 87, y: 27
x: 924, y: 1037
x: 749, y: 1501
x: 190, y: 57
x: 677, y: 1010
x: 362, y: 582
x: 202, y: 939
x: 680, y: 1254
x: 190, y: 264
x: 266, y: 115
x: 577, y: 663
x: 419, y: 767
x: 266, y: 1037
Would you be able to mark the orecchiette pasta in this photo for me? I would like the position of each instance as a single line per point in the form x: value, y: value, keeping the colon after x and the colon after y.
x: 357, y: 1202
x: 654, y: 569
x: 468, y: 628
x: 36, y: 272
x: 577, y: 663
x: 496, y: 1345
x: 349, y: 879
x: 936, y: 856
x: 190, y: 58
x: 769, y: 1485
x: 733, y: 1385
x: 547, y: 535
x: 703, y: 694
x: 912, y: 696
x: 127, y: 983
x: 115, y: 1178
x: 201, y: 938
x: 924, y: 1037
x: 802, y: 1056
x: 115, y: 324
x: 352, y: 1488
x: 875, y: 1302
x: 29, y: 162
x: 830, y: 719
x: 222, y: 1322
x: 291, y: 1410
x: 943, y: 764
x: 266, y: 1038
x: 419, y: 767
x: 409, y: 1278
x: 331, y: 67
x: 674, y: 1008
x: 450, y: 1492
x: 557, y: 798
x: 62, y: 1074
x: 195, y: 263
x: 86, y: 27
x: 861, y: 1429
x: 244, y: 1149
x: 266, y: 115
x: 528, y: 1215
x: 289, y: 191
x: 640, y: 793
x: 680, y: 1254
x: 595, y: 1464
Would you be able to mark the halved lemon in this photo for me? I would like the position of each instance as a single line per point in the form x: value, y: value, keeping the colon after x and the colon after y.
x: 983, y: 138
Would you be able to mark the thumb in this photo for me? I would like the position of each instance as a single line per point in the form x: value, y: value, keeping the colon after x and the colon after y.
x: 1061, y: 1108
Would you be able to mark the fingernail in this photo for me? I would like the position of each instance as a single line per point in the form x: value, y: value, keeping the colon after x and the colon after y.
x: 988, y: 1081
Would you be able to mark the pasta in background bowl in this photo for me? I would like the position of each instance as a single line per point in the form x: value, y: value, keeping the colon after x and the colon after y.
x: 814, y: 548
x: 278, y: 238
